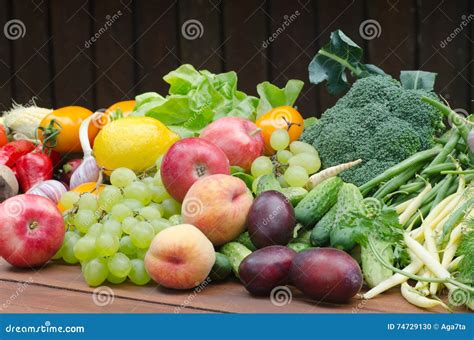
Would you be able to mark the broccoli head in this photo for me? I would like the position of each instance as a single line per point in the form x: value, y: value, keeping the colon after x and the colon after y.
x: 377, y: 121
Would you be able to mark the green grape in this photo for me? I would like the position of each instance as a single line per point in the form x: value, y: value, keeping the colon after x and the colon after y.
x: 120, y: 212
x: 133, y: 204
x: 141, y: 253
x: 59, y: 253
x: 175, y: 219
x: 282, y: 181
x: 157, y: 179
x: 122, y: 177
x: 107, y: 244
x: 95, y: 271
x: 149, y: 213
x: 309, y: 161
x: 115, y: 280
x: 279, y: 139
x: 119, y: 265
x: 87, y: 202
x: 85, y: 248
x: 148, y: 180
x: 94, y: 230
x: 138, y: 191
x: 142, y: 234
x: 127, y: 247
x: 112, y: 226
x: 128, y: 223
x: 261, y: 166
x: 160, y: 224
x: 297, y: 147
x: 170, y: 208
x: 283, y: 156
x: 157, y: 206
x: 109, y: 197
x: 138, y: 274
x: 70, y: 240
x: 84, y: 219
x: 158, y: 162
x: 68, y: 199
x: 296, y: 176
x: 158, y: 193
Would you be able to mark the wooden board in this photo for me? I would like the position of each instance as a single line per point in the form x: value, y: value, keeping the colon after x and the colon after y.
x: 60, y: 288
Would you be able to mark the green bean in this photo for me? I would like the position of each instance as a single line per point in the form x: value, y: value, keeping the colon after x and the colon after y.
x: 398, y: 181
x: 447, y: 149
x: 438, y: 168
x: 419, y: 157
x: 412, y: 187
x: 441, y: 194
x: 455, y: 218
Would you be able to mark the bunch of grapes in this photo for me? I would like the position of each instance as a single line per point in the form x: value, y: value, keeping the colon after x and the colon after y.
x: 109, y: 234
x: 292, y: 164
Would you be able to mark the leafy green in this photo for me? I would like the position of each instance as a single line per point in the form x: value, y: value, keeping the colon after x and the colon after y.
x: 195, y: 99
x: 466, y: 249
x: 271, y: 96
x: 418, y: 80
x: 334, y: 59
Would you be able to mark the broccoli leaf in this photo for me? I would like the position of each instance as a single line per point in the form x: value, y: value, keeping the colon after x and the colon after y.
x: 334, y: 59
x: 271, y: 96
x: 418, y: 80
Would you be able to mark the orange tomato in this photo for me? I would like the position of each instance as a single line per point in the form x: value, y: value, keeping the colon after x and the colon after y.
x: 59, y: 130
x: 85, y: 187
x: 125, y: 106
x: 3, y: 136
x: 282, y: 117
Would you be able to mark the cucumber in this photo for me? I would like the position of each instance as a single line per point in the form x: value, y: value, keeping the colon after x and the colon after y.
x: 221, y: 269
x: 342, y: 232
x: 244, y: 238
x: 267, y: 182
x: 320, y: 233
x: 318, y: 202
x: 294, y: 195
x: 236, y: 253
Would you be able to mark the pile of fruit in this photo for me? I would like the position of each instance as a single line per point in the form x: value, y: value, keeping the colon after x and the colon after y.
x: 208, y: 182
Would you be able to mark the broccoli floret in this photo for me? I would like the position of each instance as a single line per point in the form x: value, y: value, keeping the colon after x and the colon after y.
x: 378, y: 121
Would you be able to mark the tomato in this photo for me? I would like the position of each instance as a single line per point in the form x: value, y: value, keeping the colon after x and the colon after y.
x: 3, y: 136
x: 59, y: 130
x: 282, y: 117
x: 125, y: 106
x: 85, y: 187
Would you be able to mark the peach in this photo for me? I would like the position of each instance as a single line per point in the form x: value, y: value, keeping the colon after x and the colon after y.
x: 218, y: 205
x: 180, y: 257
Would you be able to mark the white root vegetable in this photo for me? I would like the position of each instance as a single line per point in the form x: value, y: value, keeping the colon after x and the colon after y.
x: 414, y: 205
x: 427, y: 259
x: 8, y: 183
x: 403, y: 206
x: 415, y: 298
x: 394, y: 280
x: 329, y: 172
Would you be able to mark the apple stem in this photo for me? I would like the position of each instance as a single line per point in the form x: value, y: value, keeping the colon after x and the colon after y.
x: 253, y: 133
x: 33, y: 225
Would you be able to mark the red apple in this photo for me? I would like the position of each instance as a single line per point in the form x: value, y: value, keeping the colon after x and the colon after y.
x: 239, y: 138
x: 31, y: 230
x: 188, y: 160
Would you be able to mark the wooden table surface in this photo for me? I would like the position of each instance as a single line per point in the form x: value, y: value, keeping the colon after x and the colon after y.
x: 60, y: 288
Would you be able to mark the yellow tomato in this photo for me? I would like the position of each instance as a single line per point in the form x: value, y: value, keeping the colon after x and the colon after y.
x: 282, y: 117
x: 125, y: 106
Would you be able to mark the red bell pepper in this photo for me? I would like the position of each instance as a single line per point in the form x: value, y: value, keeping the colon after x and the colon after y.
x: 33, y: 168
x: 54, y: 155
x: 12, y: 151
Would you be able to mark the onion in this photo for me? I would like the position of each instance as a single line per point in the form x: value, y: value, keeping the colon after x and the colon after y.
x: 88, y: 171
x: 51, y: 189
x: 470, y: 140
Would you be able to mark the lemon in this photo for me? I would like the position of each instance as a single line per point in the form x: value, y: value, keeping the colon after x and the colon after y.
x: 132, y: 142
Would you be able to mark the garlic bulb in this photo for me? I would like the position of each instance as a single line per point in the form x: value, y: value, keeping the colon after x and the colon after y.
x: 51, y: 189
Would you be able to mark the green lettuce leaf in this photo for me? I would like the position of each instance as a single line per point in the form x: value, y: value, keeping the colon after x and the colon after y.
x: 271, y: 96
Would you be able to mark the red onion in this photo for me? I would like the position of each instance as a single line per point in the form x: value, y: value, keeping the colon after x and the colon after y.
x: 51, y: 189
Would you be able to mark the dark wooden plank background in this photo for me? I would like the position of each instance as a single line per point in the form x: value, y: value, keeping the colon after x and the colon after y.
x: 54, y: 61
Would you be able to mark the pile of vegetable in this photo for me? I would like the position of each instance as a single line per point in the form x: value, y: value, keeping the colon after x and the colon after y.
x: 207, y: 182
